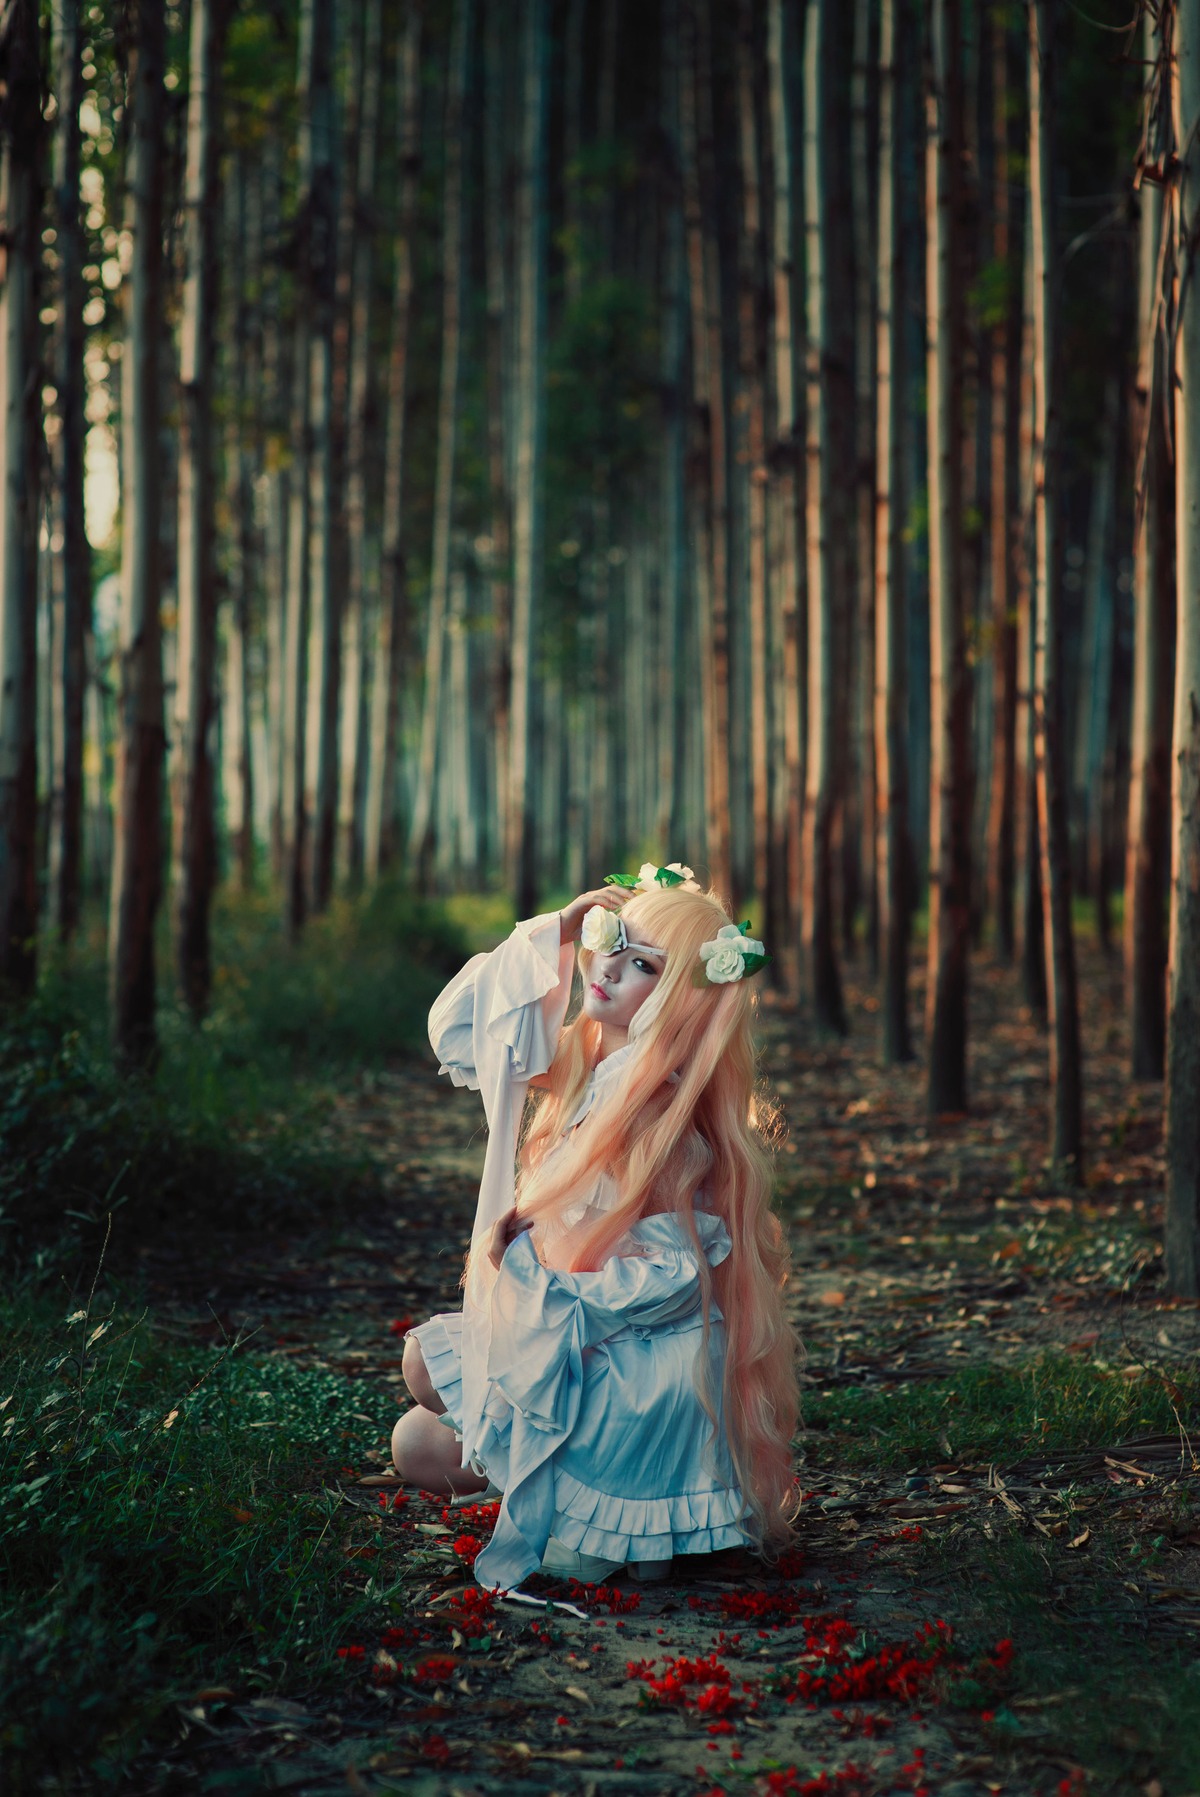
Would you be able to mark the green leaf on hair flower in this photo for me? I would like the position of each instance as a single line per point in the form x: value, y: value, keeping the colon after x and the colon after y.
x: 666, y: 877
x: 752, y: 963
x: 627, y: 882
x: 745, y: 927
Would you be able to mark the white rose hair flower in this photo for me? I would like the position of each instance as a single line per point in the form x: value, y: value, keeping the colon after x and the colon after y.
x: 603, y: 931
x: 731, y: 955
x: 674, y: 874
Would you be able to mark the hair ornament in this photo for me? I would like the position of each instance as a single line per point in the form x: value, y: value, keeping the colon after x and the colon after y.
x: 649, y: 876
x: 604, y: 933
x: 732, y: 954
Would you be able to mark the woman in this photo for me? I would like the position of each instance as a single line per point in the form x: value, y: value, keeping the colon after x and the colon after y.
x: 621, y: 1371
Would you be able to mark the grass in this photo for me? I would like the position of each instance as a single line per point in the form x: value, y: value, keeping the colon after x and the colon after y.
x: 1052, y: 1404
x: 1091, y: 1679
x: 231, y: 1130
x: 163, y: 1527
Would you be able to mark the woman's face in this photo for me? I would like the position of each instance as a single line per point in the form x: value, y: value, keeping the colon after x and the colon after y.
x: 618, y: 985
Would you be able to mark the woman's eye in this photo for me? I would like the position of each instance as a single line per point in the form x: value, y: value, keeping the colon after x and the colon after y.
x: 646, y: 966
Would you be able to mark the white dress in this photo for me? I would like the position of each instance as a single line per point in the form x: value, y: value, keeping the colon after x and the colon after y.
x: 576, y: 1392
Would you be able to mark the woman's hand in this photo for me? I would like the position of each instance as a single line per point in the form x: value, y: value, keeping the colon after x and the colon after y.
x: 571, y: 918
x: 506, y: 1231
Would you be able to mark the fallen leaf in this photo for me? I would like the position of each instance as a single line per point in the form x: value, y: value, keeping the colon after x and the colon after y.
x: 832, y: 1299
x: 1080, y: 1540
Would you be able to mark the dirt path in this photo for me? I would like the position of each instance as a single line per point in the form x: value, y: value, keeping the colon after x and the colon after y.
x: 917, y: 1250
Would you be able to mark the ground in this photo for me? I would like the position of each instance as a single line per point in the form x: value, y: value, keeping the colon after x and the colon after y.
x: 983, y: 1508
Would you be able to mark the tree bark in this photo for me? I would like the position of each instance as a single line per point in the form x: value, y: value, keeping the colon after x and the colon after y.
x: 324, y: 600
x: 819, y: 954
x: 1149, y: 827
x: 1005, y: 339
x: 75, y: 606
x: 20, y: 465
x: 891, y: 622
x: 528, y: 505
x: 865, y: 428
x: 1065, y: 1069
x: 421, y: 831
x: 381, y: 825
x: 354, y: 741
x: 137, y: 859
x: 194, y: 846
x: 498, y: 447
x: 672, y: 693
x: 752, y: 378
x: 949, y: 786
x: 1183, y: 1000
x: 789, y: 611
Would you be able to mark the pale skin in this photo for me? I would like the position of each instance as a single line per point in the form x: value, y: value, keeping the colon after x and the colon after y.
x: 424, y: 1451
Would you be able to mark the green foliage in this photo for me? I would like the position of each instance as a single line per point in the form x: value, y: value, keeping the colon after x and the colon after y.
x: 162, y: 1526
x: 1052, y: 1404
x: 232, y: 1129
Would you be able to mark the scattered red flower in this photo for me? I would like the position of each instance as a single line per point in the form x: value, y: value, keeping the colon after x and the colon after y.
x: 468, y: 1548
x: 473, y: 1611
x: 438, y: 1669
x: 435, y: 1748
x: 401, y: 1326
x: 351, y: 1653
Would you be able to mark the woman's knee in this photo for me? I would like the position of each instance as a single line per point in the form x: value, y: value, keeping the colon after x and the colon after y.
x: 416, y: 1377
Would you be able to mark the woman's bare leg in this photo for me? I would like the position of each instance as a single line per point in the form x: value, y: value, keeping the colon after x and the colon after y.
x: 427, y: 1454
x: 424, y: 1451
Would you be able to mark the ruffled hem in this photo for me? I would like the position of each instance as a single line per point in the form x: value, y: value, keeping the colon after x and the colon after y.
x: 440, y: 1340
x: 624, y: 1529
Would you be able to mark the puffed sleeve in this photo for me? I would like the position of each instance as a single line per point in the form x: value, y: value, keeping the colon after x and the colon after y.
x: 503, y: 1012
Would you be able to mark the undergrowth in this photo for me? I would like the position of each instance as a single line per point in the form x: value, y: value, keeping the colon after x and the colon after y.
x: 231, y: 1128
x: 163, y: 1526
x: 1051, y: 1404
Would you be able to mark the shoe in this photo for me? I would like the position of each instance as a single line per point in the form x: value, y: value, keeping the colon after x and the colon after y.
x: 476, y: 1497
x: 649, y: 1572
x: 563, y: 1562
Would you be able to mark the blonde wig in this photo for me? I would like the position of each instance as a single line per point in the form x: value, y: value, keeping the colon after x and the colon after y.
x: 682, y: 1122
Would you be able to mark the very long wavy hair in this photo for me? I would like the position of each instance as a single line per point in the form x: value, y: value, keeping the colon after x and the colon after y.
x: 682, y: 1119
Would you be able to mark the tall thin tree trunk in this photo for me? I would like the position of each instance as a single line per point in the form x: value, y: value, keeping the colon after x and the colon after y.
x: 137, y: 859
x: 786, y: 463
x: 420, y: 839
x: 498, y: 449
x: 891, y: 623
x: 66, y: 824
x: 819, y: 953
x: 949, y: 790
x: 353, y: 768
x: 275, y: 481
x: 1005, y: 338
x: 752, y: 374
x: 668, y: 825
x: 324, y: 599
x: 1154, y: 627
x: 528, y: 506
x: 194, y: 846
x: 1065, y: 1070
x: 1183, y: 1002
x: 381, y: 827
x: 716, y: 671
x: 20, y: 467
x: 1033, y: 954
x: 1088, y: 810
x: 865, y: 420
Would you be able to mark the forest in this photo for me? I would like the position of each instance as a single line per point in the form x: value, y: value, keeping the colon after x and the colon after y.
x: 456, y: 449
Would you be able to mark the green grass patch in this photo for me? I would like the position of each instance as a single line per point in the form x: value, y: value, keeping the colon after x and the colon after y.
x: 1089, y: 1680
x: 1051, y: 1404
x: 232, y: 1128
x: 163, y: 1527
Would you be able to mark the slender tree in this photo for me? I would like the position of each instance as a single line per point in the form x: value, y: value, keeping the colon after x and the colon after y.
x: 499, y: 448
x: 137, y: 859
x: 819, y: 954
x: 421, y: 830
x: 865, y: 239
x: 194, y: 847
x: 531, y: 241
x: 1153, y: 614
x: 1065, y: 1070
x: 353, y: 759
x: 891, y: 623
x: 949, y: 794
x: 1183, y: 1000
x: 752, y: 381
x: 381, y: 833
x: 75, y: 585
x: 787, y: 610
x: 324, y: 598
x: 1005, y: 339
x: 20, y: 462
